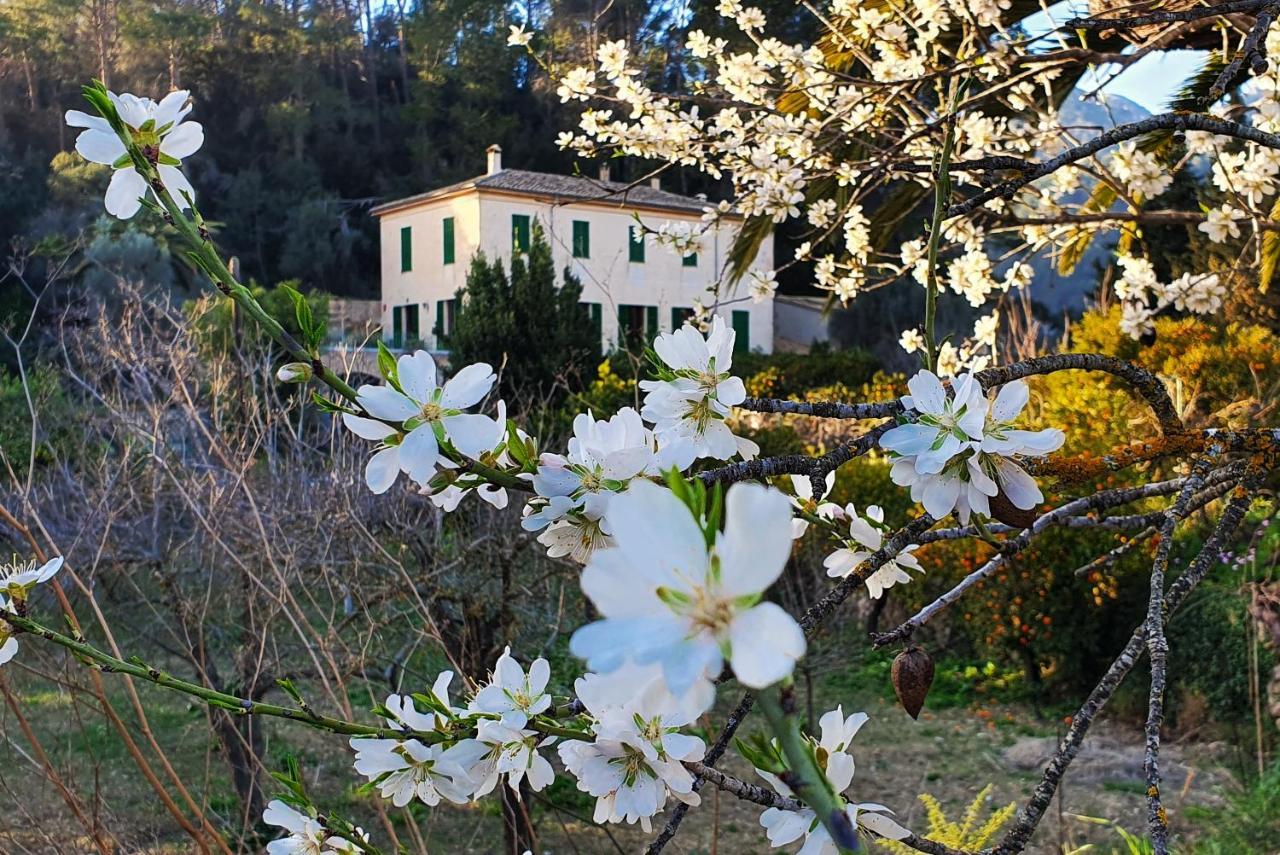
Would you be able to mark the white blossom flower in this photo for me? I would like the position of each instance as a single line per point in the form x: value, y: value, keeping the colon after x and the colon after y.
x: 637, y: 757
x: 513, y: 694
x: 518, y: 37
x: 832, y: 750
x: 911, y: 340
x: 18, y: 578
x: 688, y: 410
x: 431, y: 415
x: 403, y: 769
x: 665, y: 597
x: 805, y: 500
x: 306, y: 835
x: 866, y: 535
x: 498, y: 751
x: 945, y: 423
x: 604, y: 455
x: 158, y: 130
x: 764, y: 283
x: 1221, y: 222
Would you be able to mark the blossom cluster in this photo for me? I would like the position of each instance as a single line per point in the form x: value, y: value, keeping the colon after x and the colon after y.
x: 959, y: 450
x: 777, y: 117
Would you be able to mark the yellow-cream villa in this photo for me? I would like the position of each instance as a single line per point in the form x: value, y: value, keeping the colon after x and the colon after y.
x: 428, y: 242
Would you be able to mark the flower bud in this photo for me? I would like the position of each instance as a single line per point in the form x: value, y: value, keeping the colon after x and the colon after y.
x: 294, y: 372
x: 912, y: 677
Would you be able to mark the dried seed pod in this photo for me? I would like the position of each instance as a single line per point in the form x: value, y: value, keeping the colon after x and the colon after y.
x: 1009, y: 513
x: 912, y: 677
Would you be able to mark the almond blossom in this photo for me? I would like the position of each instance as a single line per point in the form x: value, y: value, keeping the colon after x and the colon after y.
x: 17, y: 578
x: 866, y: 535
x: 637, y: 757
x: 668, y: 598
x: 832, y: 752
x: 158, y: 131
x: 689, y: 406
x: 306, y: 835
x: 514, y: 694
x: 431, y: 418
x: 499, y: 751
x: 405, y: 769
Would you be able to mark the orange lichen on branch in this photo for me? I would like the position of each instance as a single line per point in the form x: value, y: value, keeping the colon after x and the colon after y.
x: 1087, y: 465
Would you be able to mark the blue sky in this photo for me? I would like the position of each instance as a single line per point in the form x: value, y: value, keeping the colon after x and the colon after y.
x: 1150, y: 81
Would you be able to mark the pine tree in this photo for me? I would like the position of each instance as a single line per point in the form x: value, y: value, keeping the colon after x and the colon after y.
x: 537, y: 334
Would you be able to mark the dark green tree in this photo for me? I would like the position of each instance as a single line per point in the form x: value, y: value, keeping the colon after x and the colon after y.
x: 537, y: 334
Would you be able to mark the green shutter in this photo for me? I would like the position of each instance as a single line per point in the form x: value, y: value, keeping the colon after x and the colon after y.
x: 742, y: 328
x: 690, y: 260
x: 406, y: 249
x: 412, y: 335
x: 650, y: 322
x: 581, y: 239
x: 442, y: 334
x: 635, y: 245
x: 397, y: 326
x: 520, y: 232
x: 679, y: 314
x: 448, y: 240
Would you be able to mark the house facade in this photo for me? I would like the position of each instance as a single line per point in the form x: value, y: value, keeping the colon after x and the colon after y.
x: 631, y: 288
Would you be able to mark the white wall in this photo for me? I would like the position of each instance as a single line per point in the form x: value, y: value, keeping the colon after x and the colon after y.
x: 483, y: 221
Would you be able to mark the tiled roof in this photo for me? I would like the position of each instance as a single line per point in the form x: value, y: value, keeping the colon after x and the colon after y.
x: 560, y: 188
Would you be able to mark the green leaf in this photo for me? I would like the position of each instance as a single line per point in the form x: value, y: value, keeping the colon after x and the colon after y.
x: 387, y: 364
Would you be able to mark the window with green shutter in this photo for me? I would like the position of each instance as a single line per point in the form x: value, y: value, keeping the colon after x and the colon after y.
x: 742, y: 330
x: 447, y: 237
x: 635, y: 245
x: 445, y: 318
x: 596, y: 318
x: 397, y: 326
x: 680, y: 314
x: 637, y: 325
x: 690, y: 260
x: 520, y: 232
x: 581, y: 239
x: 412, y: 335
x: 406, y: 249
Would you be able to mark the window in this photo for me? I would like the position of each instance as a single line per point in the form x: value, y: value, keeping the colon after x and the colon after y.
x: 690, y: 260
x: 581, y: 239
x: 679, y: 314
x: 742, y: 330
x: 448, y: 240
x: 637, y: 325
x: 635, y: 245
x: 596, y: 319
x: 446, y: 316
x: 406, y: 249
x: 405, y: 330
x: 412, y: 335
x: 520, y: 232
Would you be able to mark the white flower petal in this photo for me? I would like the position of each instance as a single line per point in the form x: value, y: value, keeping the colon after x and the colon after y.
x: 100, y: 146
x: 371, y: 429
x: 756, y: 541
x: 125, y: 192
x: 468, y: 386
x: 927, y: 392
x: 1010, y: 401
x: 382, y: 469
x: 765, y: 643
x: 183, y: 141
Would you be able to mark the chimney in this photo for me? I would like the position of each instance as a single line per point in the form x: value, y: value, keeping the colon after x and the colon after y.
x: 495, y: 159
x: 655, y: 182
x: 604, y: 171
